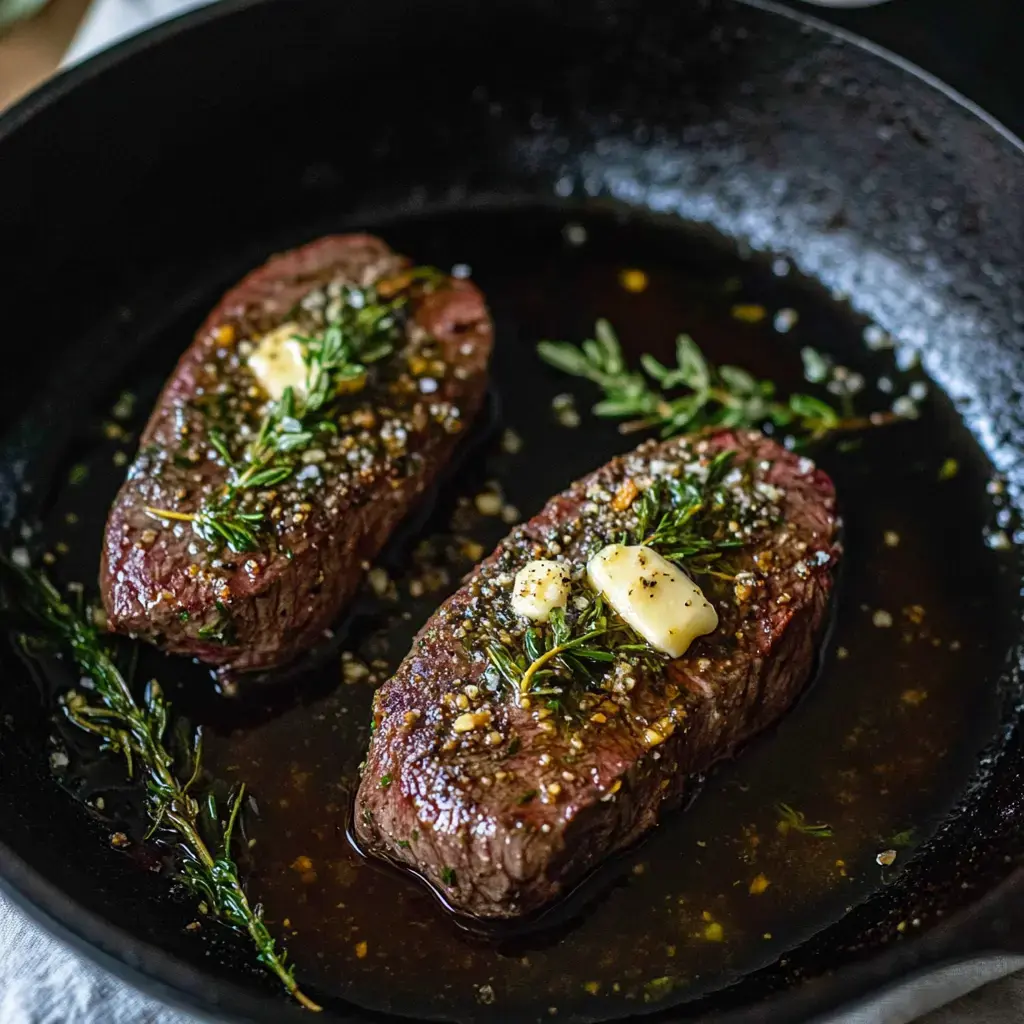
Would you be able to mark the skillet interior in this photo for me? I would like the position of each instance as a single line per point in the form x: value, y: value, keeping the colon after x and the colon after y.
x: 865, y: 177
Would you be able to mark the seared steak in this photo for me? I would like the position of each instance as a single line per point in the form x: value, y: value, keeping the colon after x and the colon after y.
x: 246, y: 523
x: 504, y: 801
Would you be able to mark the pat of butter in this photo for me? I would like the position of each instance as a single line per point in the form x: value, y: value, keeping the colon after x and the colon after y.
x: 539, y: 588
x: 653, y: 596
x: 278, y: 362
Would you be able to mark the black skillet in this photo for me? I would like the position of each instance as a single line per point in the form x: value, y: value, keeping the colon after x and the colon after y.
x: 739, y: 156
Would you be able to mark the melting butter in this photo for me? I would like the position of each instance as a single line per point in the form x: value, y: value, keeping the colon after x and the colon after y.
x: 278, y: 362
x: 540, y: 587
x: 654, y: 596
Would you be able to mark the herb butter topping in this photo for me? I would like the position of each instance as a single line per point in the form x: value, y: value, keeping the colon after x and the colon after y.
x: 689, y: 514
x: 331, y: 396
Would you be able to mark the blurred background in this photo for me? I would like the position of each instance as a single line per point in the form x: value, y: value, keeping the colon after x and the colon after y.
x: 972, y: 44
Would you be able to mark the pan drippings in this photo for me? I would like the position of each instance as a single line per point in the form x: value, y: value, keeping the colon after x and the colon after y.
x: 809, y: 821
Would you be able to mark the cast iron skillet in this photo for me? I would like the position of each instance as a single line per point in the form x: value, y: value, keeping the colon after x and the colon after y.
x: 135, y: 188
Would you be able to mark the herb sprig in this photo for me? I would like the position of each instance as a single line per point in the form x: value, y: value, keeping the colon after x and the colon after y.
x: 710, y: 396
x: 565, y: 647
x: 366, y: 329
x: 136, y: 730
x: 683, y: 520
x: 792, y: 819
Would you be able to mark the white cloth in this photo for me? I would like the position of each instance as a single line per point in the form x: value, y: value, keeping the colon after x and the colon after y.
x: 108, y: 21
x: 43, y: 982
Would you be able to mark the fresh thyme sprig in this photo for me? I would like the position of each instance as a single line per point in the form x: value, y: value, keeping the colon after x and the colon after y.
x: 792, y: 819
x: 723, y: 396
x: 564, y: 647
x: 683, y: 520
x: 136, y: 730
x: 366, y: 329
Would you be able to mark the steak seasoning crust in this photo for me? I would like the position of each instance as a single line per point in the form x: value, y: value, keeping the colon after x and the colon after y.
x: 246, y: 522
x: 503, y: 798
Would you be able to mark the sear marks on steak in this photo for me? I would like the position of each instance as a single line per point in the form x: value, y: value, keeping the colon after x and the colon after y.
x: 505, y: 803
x: 378, y: 442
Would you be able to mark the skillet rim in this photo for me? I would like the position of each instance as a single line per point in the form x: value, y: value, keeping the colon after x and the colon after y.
x: 965, y: 936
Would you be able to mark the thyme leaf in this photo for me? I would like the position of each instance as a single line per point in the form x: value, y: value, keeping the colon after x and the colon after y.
x: 136, y: 729
x: 711, y: 396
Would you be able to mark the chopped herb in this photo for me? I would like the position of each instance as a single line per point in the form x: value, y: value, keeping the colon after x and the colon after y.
x: 448, y: 876
x: 528, y: 797
x: 901, y: 839
x: 136, y: 730
x: 724, y: 396
x: 404, y: 844
x: 78, y: 474
x: 790, y: 818
x: 183, y: 615
x: 385, y: 781
x: 222, y: 630
x: 658, y: 988
x: 513, y: 747
x: 949, y: 469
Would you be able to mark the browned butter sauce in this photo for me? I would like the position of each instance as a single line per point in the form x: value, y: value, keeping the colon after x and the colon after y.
x: 889, y: 731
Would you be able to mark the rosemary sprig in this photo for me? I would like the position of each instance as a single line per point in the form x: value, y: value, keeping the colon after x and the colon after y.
x: 366, y: 329
x: 136, y: 730
x: 792, y: 819
x: 723, y: 396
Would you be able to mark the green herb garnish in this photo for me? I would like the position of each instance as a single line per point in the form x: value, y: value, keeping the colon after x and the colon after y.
x: 448, y: 876
x: 792, y: 819
x: 901, y: 839
x: 221, y: 630
x: 565, y: 646
x: 136, y: 730
x: 693, y: 394
x: 366, y: 329
x: 658, y: 988
x: 683, y: 520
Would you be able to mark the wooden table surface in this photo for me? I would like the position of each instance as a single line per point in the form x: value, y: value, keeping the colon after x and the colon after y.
x: 31, y: 50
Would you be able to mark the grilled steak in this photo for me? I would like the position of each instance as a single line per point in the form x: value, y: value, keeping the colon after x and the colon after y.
x: 247, y: 517
x: 504, y: 801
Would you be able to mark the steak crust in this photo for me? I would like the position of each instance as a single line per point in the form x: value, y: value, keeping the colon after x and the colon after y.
x: 258, y: 609
x: 507, y: 816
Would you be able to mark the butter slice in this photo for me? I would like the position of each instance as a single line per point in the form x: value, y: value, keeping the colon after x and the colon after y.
x: 278, y: 362
x: 653, y: 596
x: 540, y: 587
